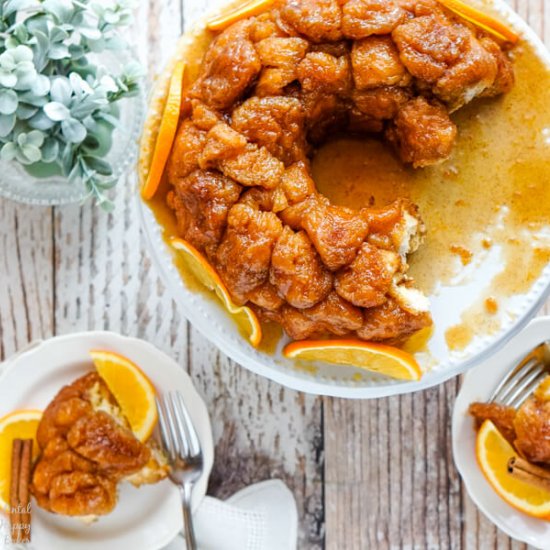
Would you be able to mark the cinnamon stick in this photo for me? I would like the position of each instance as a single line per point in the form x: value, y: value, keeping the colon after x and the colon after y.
x: 20, y: 517
x: 15, y: 514
x: 24, y: 495
x: 529, y: 473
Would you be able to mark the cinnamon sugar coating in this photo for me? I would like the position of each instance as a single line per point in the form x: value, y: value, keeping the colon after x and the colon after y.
x: 274, y: 86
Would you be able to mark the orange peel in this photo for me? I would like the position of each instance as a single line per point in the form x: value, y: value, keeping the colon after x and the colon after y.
x: 166, y: 133
x: 374, y: 357
x: 199, y: 266
x: 482, y: 20
x: 228, y: 17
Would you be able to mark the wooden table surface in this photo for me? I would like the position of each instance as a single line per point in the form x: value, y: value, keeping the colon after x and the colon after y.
x: 366, y: 475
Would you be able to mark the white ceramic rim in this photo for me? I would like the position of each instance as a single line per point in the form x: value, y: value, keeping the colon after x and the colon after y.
x: 490, y: 373
x: 300, y: 380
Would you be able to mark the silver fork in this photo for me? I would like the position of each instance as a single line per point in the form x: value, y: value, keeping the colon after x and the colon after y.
x: 182, y: 446
x: 522, y: 380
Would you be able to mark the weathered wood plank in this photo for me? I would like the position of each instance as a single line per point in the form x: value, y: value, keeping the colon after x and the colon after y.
x: 26, y: 275
x: 391, y: 459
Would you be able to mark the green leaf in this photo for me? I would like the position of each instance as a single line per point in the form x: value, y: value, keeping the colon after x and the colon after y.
x: 21, y: 54
x: 41, y: 50
x: 8, y: 151
x: 61, y: 90
x: 76, y: 51
x: 31, y: 99
x: 90, y: 32
x: 56, y: 111
x: 58, y: 51
x: 42, y: 41
x: 50, y: 150
x: 106, y: 204
x: 31, y: 152
x: 26, y: 75
x: 73, y: 130
x: 38, y: 23
x: 67, y: 160
x: 83, y: 109
x: 41, y: 86
x: 62, y: 9
x: 7, y: 123
x: 21, y: 33
x: 79, y: 85
x: 11, y: 43
x: 7, y: 79
x: 7, y: 62
x: 90, y: 144
x: 24, y: 112
x: 98, y: 165
x: 12, y: 6
x: 8, y: 101
x: 36, y: 138
x: 41, y: 122
x: 57, y: 34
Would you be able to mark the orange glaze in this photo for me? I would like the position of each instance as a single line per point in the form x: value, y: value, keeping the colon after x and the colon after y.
x: 500, y: 160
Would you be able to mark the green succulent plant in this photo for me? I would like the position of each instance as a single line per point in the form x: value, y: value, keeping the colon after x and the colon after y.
x: 57, y: 104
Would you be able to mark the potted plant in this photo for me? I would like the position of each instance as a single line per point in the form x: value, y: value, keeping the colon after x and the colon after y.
x: 66, y: 79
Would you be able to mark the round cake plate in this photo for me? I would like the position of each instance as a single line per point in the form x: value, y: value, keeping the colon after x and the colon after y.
x: 447, y: 305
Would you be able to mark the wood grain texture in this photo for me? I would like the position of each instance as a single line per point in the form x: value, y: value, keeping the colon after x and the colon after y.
x: 390, y: 481
x: 366, y: 475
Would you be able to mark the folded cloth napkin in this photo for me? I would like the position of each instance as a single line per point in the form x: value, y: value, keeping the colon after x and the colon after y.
x: 260, y: 517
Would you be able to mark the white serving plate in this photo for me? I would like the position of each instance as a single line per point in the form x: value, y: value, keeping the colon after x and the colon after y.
x: 478, y: 385
x: 147, y: 518
x: 441, y: 363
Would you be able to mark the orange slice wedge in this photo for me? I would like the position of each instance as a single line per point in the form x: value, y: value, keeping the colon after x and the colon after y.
x: 198, y: 265
x: 166, y: 133
x: 482, y: 20
x: 133, y: 391
x: 248, y: 9
x: 379, y: 358
x: 493, y: 453
x: 17, y: 425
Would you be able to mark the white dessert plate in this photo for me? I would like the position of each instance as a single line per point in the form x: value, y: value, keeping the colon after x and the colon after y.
x: 147, y: 518
x: 448, y: 303
x: 478, y: 385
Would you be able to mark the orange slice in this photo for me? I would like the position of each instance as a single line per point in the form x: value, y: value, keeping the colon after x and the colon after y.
x: 493, y: 453
x: 248, y: 9
x: 379, y: 358
x: 132, y: 389
x: 166, y: 133
x: 198, y: 265
x: 17, y: 425
x: 482, y: 20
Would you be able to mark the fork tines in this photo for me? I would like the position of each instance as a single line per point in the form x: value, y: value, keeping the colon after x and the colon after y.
x: 178, y: 435
x: 521, y: 381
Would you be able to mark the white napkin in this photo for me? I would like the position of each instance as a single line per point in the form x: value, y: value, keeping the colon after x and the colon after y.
x: 260, y: 517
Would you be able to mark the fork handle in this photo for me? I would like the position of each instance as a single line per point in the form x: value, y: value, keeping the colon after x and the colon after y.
x: 186, y: 492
